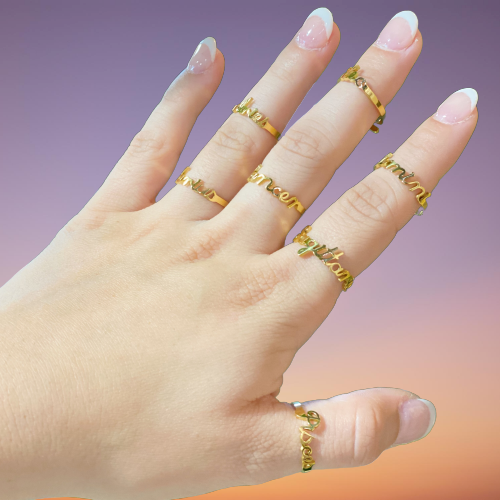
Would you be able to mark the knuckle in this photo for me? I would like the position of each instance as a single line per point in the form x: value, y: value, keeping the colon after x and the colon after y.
x: 423, y: 144
x: 306, y: 142
x: 203, y: 246
x: 234, y: 139
x: 370, y: 202
x: 285, y: 72
x: 257, y: 283
x: 87, y: 220
x: 366, y: 435
x: 151, y: 144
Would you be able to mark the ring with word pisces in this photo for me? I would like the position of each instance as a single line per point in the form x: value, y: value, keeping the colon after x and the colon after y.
x: 313, y: 420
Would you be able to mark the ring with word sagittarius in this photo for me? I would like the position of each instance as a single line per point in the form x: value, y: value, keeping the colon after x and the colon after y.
x: 243, y: 108
x: 351, y: 75
x: 313, y: 420
x: 198, y: 186
x: 326, y: 255
x: 394, y: 167
x: 283, y: 196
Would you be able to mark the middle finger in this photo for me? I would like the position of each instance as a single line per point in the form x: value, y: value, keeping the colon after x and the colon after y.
x: 308, y: 155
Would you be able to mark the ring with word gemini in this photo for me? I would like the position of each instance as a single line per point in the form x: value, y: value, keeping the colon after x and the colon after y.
x: 313, y: 420
x: 388, y: 163
x: 351, y: 75
x: 198, y: 186
x: 283, y: 196
x: 243, y: 108
x: 328, y: 256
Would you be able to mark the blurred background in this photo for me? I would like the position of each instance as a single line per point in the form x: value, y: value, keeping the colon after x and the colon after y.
x: 78, y: 80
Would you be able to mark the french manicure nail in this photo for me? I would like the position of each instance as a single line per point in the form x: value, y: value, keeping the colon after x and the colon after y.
x: 316, y: 31
x: 416, y: 419
x: 399, y: 32
x: 458, y: 107
x: 203, y: 56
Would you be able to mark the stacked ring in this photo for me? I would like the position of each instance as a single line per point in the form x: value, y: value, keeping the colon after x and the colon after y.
x: 313, y: 420
x: 283, y: 196
x: 197, y: 186
x: 388, y: 163
x: 351, y: 75
x: 243, y: 108
x: 327, y: 256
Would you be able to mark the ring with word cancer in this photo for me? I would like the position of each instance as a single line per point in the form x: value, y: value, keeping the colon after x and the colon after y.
x: 327, y: 256
x: 243, y: 108
x: 388, y: 163
x: 313, y: 420
x: 351, y: 75
x: 283, y: 196
x: 198, y: 186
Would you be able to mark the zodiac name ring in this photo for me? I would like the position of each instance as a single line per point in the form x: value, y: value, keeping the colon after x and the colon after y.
x: 313, y: 421
x: 199, y: 188
x: 243, y: 108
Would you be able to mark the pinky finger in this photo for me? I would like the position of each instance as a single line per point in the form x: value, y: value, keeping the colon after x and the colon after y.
x: 146, y: 166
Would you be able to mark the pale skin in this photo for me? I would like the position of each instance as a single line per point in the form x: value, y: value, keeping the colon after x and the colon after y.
x: 143, y: 350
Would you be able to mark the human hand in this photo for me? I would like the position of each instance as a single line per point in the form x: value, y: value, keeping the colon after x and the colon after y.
x: 147, y: 344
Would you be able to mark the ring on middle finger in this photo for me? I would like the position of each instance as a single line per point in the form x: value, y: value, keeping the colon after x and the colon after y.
x: 351, y: 75
x: 283, y: 196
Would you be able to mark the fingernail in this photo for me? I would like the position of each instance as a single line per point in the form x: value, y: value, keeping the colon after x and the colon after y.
x: 416, y: 419
x: 316, y: 31
x: 399, y: 32
x: 458, y: 107
x: 203, y: 56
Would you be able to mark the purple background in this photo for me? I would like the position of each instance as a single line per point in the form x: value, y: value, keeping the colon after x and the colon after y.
x: 78, y: 80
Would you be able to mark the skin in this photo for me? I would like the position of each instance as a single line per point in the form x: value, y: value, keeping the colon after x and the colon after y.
x: 143, y: 350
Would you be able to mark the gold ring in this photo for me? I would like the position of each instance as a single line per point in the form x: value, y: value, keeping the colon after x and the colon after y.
x: 327, y: 256
x: 351, y: 75
x: 197, y: 186
x: 388, y: 163
x: 313, y: 420
x: 283, y: 196
x: 243, y: 108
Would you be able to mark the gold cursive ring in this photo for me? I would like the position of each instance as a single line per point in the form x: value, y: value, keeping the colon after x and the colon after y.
x: 351, y: 75
x: 283, y: 196
x: 390, y: 164
x: 327, y: 256
x: 197, y: 186
x: 313, y: 421
x: 243, y: 108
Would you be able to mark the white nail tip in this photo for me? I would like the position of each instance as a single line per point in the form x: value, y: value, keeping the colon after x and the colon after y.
x: 327, y: 18
x: 411, y: 19
x: 432, y: 411
x: 212, y: 46
x: 472, y: 95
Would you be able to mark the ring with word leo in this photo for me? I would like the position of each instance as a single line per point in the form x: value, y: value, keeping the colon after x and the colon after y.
x: 243, y: 108
x: 328, y: 256
x: 388, y: 163
x: 313, y: 420
x: 283, y: 196
x: 351, y: 75
x: 198, y: 186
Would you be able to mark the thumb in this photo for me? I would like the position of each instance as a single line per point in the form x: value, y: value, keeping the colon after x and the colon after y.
x: 355, y: 429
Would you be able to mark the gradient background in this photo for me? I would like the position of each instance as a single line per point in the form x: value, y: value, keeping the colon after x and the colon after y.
x: 78, y: 79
